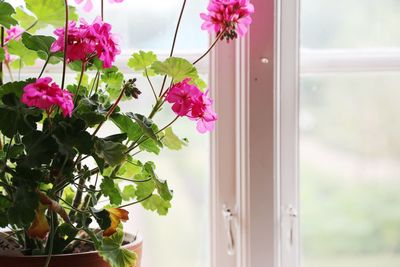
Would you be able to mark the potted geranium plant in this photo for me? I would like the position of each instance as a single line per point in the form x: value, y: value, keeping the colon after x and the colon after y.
x: 61, y: 197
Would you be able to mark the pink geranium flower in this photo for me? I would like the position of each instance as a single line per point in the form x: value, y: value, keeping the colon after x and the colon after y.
x: 182, y: 95
x: 88, y: 6
x: 231, y: 17
x: 46, y: 95
x: 87, y: 41
x: 66, y: 103
x: 189, y: 101
x: 14, y: 33
x: 203, y: 113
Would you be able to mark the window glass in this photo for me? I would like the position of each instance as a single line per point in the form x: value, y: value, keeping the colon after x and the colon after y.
x: 349, y: 24
x: 349, y: 148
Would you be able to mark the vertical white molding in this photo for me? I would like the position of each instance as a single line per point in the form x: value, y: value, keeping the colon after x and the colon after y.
x: 243, y: 151
x: 223, y: 150
x: 287, y: 130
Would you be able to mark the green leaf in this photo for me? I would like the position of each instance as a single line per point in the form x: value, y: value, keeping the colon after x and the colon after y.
x: 2, y: 54
x: 24, y: 20
x: 72, y: 134
x: 200, y: 83
x: 161, y: 185
x: 126, y: 125
x: 150, y: 146
x: 26, y: 56
x: 179, y: 69
x: 50, y: 12
x: 113, y: 78
x: 119, y: 138
x: 144, y: 190
x: 5, y: 204
x: 16, y: 88
x: 6, y: 10
x: 156, y: 203
x: 176, y: 68
x: 25, y: 202
x: 129, y: 192
x: 148, y: 127
x: 40, y: 149
x: 68, y: 196
x: 112, y: 252
x: 171, y: 141
x: 41, y: 44
x: 112, y: 153
x: 130, y: 168
x: 142, y: 60
x: 15, y: 117
x: 103, y: 218
x: 110, y: 189
x: 15, y: 150
x: 91, y: 111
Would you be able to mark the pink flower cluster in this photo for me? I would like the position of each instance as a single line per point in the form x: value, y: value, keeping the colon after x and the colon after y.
x: 231, y: 17
x: 88, y: 6
x: 14, y: 33
x: 87, y: 41
x: 189, y: 101
x: 43, y: 95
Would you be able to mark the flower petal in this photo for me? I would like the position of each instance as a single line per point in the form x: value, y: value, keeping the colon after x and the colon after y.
x: 40, y: 226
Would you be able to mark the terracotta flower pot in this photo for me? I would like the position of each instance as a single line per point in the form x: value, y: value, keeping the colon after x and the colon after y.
x: 87, y: 259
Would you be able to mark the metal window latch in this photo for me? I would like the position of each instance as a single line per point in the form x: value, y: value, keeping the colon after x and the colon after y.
x: 229, y: 215
x: 292, y: 213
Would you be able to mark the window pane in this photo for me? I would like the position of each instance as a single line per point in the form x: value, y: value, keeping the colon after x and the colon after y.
x: 350, y: 23
x: 350, y: 174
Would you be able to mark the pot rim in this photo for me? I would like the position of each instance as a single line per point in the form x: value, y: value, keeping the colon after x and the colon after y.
x: 134, y: 242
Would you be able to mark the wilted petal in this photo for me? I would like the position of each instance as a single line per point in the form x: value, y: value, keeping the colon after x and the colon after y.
x: 40, y: 226
x: 116, y: 216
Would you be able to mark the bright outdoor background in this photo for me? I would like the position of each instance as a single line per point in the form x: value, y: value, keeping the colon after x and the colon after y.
x: 350, y: 139
x: 181, y: 238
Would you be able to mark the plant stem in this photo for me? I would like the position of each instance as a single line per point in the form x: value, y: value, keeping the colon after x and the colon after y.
x: 133, y: 181
x: 151, y: 85
x: 210, y: 48
x: 102, y: 10
x: 177, y: 28
x: 2, y: 45
x: 51, y: 239
x: 111, y: 111
x: 9, y: 71
x: 80, y: 82
x: 65, y: 44
x: 135, y: 145
x: 136, y: 202
x: 94, y: 82
x: 174, y: 42
x: 78, y: 196
x: 44, y: 66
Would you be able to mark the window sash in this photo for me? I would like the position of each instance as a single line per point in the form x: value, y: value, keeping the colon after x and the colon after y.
x: 243, y: 178
x: 314, y: 61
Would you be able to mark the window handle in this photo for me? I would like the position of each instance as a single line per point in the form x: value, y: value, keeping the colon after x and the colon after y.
x: 293, y: 215
x: 228, y: 219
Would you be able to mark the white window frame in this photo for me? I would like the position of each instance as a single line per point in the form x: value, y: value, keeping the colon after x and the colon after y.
x: 289, y: 70
x: 243, y: 79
